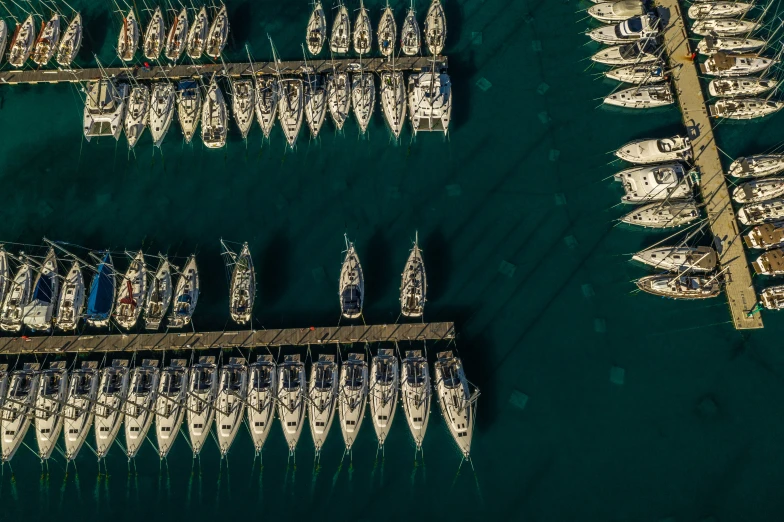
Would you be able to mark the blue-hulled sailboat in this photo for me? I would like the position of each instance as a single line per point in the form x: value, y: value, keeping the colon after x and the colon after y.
x: 101, y: 299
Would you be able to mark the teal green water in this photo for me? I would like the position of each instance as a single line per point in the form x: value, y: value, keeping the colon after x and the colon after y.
x: 637, y: 408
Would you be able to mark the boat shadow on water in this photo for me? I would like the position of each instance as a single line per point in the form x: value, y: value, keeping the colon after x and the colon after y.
x: 273, y: 273
x: 96, y: 26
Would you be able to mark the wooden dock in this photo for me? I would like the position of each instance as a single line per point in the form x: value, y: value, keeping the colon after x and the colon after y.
x: 314, y: 336
x: 739, y: 289
x: 234, y: 70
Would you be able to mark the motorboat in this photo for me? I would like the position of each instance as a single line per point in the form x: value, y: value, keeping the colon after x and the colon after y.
x: 18, y: 408
x: 363, y: 33
x: 214, y: 118
x: 39, y: 313
x: 202, y: 391
x: 292, y: 399
x: 667, y: 214
x: 393, y: 100
x: 52, y: 391
x: 128, y: 40
x: 161, y: 111
x: 352, y: 396
x: 315, y: 103
x: 17, y: 298
x: 744, y: 108
x: 679, y: 258
x: 159, y: 296
x: 413, y: 285
x: 137, y: 115
x: 410, y: 37
x: 70, y: 308
x: 718, y: 10
x: 648, y: 151
x: 70, y: 43
x: 22, y: 43
x: 322, y: 396
x: 109, y: 411
x: 363, y: 98
x: 242, y: 291
x: 435, y: 28
x: 765, y: 236
x: 458, y: 405
x: 642, y: 97
x: 104, y: 108
x: 243, y: 103
x: 197, y: 36
x: 655, y: 183
x: 262, y: 393
x: 635, y: 28
x: 680, y: 286
x: 744, y: 86
x: 724, y: 27
x: 188, y: 107
x: 47, y: 41
x: 618, y: 11
x: 170, y: 404
x: 383, y: 393
x: 713, y: 44
x: 140, y: 405
x: 762, y: 212
x: 154, y: 36
x: 757, y: 166
x: 352, y: 284
x: 635, y: 53
x: 186, y: 295
x: 339, y: 97
x: 772, y: 297
x: 340, y: 39
x: 266, y: 103
x: 291, y: 108
x: 415, y: 394
x: 131, y: 293
x: 317, y: 29
x: 178, y: 37
x: 230, y: 403
x: 387, y: 32
x: 78, y: 414
x: 638, y: 74
x: 758, y: 190
x: 724, y: 64
x: 770, y: 263
x: 218, y: 34
x: 430, y: 102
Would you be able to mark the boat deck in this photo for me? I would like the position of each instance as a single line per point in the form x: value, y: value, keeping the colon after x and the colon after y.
x: 236, y: 339
x: 739, y: 289
x: 235, y: 70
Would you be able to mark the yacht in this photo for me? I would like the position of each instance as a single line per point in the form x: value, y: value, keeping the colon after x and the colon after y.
x: 680, y: 286
x: 140, y: 406
x: 39, y: 313
x: 718, y: 9
x: 352, y: 396
x: 18, y: 409
x: 317, y: 29
x: 641, y: 74
x: 262, y: 393
x: 214, y: 118
x: 758, y: 190
x: 745, y: 86
x: 22, y: 43
x: 186, y: 295
x: 315, y: 103
x: 266, y: 103
x: 197, y: 36
x: 128, y: 40
x: 230, y: 403
x: 3, y: 37
x: 383, y: 394
x: 618, y: 11
x: 430, y: 102
x: 47, y: 42
x: 243, y: 287
x: 159, y: 296
x: 218, y: 34
x: 679, y: 258
x: 435, y: 28
x: 770, y: 263
x: 78, y: 408
x: 638, y: 27
x: 5, y: 276
x: 757, y: 166
x: 393, y: 100
x: 109, y: 406
x: 352, y: 284
x: 415, y: 393
x: 291, y: 108
x: 339, y: 97
x: 744, y: 108
x: 410, y: 37
x: 178, y: 37
x: 772, y: 297
x: 642, y: 97
x: 765, y: 236
x: 340, y: 39
x: 724, y: 27
x: 243, y: 103
x: 154, y: 36
x: 188, y: 107
x: 70, y: 43
x: 322, y: 394
x: 413, y: 286
x: 659, y: 215
x: 363, y: 32
x: 635, y: 53
x: 714, y: 44
x: 655, y: 183
x: 52, y: 391
x: 104, y: 108
x: 170, y: 404
x: 17, y: 298
x: 130, y: 295
x: 387, y: 32
x: 648, y: 151
x: 291, y: 399
x: 202, y: 391
x: 723, y: 64
x: 138, y: 114
x: 161, y: 111
x: 363, y: 98
x: 458, y: 405
x: 762, y: 212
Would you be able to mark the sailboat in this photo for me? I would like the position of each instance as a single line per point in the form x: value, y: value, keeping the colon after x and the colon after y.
x: 170, y: 404
x: 161, y: 111
x: 230, y: 404
x: 139, y: 407
x: 128, y: 40
x: 154, y: 36
x: 202, y: 390
x: 159, y: 296
x: 70, y: 307
x: 660, y: 182
x: 352, y: 284
x: 718, y: 9
x: 322, y: 393
x: 5, y: 274
x: 52, y: 390
x: 772, y: 297
x: 262, y: 392
x: 109, y: 411
x: 339, y: 97
x: 680, y: 286
x: 133, y: 288
x: 457, y: 403
x: 188, y: 107
x: 744, y: 108
x: 430, y: 101
x: 762, y: 212
x: 743, y: 86
x: 668, y: 214
x: 243, y: 102
x: 17, y: 412
x: 317, y: 29
x: 765, y: 236
x: 3, y: 37
x: 214, y: 118
x: 384, y: 387
x: 616, y: 11
x: 47, y: 41
x: 243, y: 286
x: 104, y: 108
x: 101, y: 297
x: 138, y: 114
x: 315, y: 99
x: 352, y: 396
x: 413, y: 286
x: 16, y: 298
x: 410, y: 37
x: 756, y: 166
x: 363, y: 98
x: 197, y: 37
x: 178, y: 35
x: 713, y: 44
x: 340, y: 39
x: 22, y: 43
x: 435, y: 28
x: 218, y: 34
x: 679, y: 258
x: 291, y: 108
x: 724, y: 27
x: 78, y: 409
x: 416, y: 394
x: 758, y: 190
x: 266, y: 103
x: 393, y: 100
x: 40, y: 311
x: 387, y: 32
x: 363, y: 32
x: 292, y: 399
x: 186, y: 295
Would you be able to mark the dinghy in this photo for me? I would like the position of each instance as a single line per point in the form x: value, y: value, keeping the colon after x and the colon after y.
x: 17, y: 298
x: 186, y: 295
x: 170, y: 404
x: 648, y: 151
x: 757, y: 166
x: 188, y: 107
x: 101, y: 298
x: 413, y: 285
x: 137, y: 115
x: 78, y: 409
x: 746, y: 86
x: 262, y: 393
x: 340, y: 39
x: 291, y: 399
x: 393, y: 100
x: 679, y: 287
x: 352, y: 397
x: 18, y: 409
x: 430, y: 102
x: 655, y: 183
x: 416, y: 394
x: 230, y: 404
x: 242, y: 292
x: 363, y: 98
x: 178, y: 37
x: 383, y: 394
x: 197, y: 37
x: 109, y: 410
x: 758, y: 190
x: 161, y: 111
x: 351, y: 284
x: 458, y: 405
x: 387, y: 32
x: 140, y: 406
x: 218, y: 34
x: 660, y: 215
x: 243, y: 102
x: 70, y: 43
x: 410, y: 37
x: 679, y: 258
x: 339, y: 98
x: 744, y: 108
x: 39, y: 312
x: 159, y: 296
x: 613, y: 12
x: 317, y: 29
x: 435, y: 28
x: 765, y: 236
x: 762, y: 212
x: 52, y: 392
x: 47, y: 42
x: 22, y: 43
x: 202, y: 390
x: 214, y: 118
x: 154, y: 36
x: 315, y: 103
x: 128, y: 40
x: 642, y: 97
x: 291, y: 109
x: 322, y: 394
x: 130, y: 295
x: 363, y: 33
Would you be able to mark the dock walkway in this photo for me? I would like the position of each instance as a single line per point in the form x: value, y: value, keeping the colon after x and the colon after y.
x: 739, y: 289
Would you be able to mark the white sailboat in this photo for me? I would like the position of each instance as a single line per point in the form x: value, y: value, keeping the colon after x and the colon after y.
x: 52, y: 391
x: 660, y: 215
x: 435, y: 28
x: 5, y: 274
x: 744, y: 86
x: 161, y: 111
x: 317, y: 29
x: 352, y: 397
x: 178, y: 36
x: 363, y: 98
x: 291, y: 108
x: 137, y: 115
x: 109, y: 405
x: 159, y: 296
x: 70, y: 307
x: 642, y: 97
x: 292, y: 399
x: 78, y: 409
x: 641, y: 74
x: 40, y: 311
x: 416, y: 394
x: 758, y: 190
x: 218, y: 34
x: 140, y: 405
x: 47, y: 42
x: 154, y: 36
x: 188, y: 107
x: 744, y: 108
x: 104, y: 108
x: 266, y: 103
x: 339, y: 97
x: 458, y: 405
x: 186, y: 295
x: 202, y: 390
x: 17, y: 411
x: 197, y: 37
x: 322, y: 393
x: 128, y: 40
x: 17, y: 297
x: 22, y: 43
x: 387, y: 32
x: 410, y: 36
x: 131, y: 293
x: 351, y: 284
x: 315, y: 100
x: 242, y: 290
x: 262, y: 392
x: 340, y: 39
x: 713, y: 44
x: 363, y: 32
x: 214, y: 118
x: 243, y: 103
x: 413, y: 285
x: 616, y: 11
x: 230, y: 404
x: 383, y: 394
x: 170, y: 404
x: 4, y: 38
x: 656, y: 183
x: 718, y: 9
x: 724, y: 27
x: 679, y: 258
x: 393, y: 100
x: 757, y: 166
